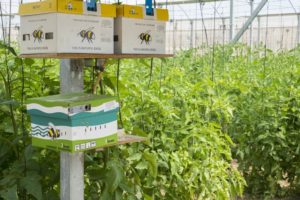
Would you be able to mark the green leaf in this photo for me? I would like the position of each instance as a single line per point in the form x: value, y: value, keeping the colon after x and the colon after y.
x: 147, y: 197
x: 96, y: 173
x: 114, y: 176
x: 106, y: 195
x: 10, y: 49
x: 139, y: 132
x: 151, y: 159
x: 9, y: 193
x: 29, y: 61
x: 127, y: 186
x: 141, y: 165
x: 51, y: 195
x: 118, y: 195
x: 31, y: 183
x: 135, y: 157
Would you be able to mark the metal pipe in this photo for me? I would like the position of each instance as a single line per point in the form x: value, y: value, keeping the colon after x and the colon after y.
x: 258, y: 30
x: 231, y: 20
x: 251, y: 26
x: 244, y: 16
x: 9, y: 23
x: 249, y: 21
x: 192, y: 34
x: 298, y: 30
x: 184, y: 2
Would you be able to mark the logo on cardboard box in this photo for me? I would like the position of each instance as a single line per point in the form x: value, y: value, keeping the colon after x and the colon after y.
x: 145, y: 37
x: 87, y: 34
x: 38, y: 34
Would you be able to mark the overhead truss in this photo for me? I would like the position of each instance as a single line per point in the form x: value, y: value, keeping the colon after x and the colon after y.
x: 184, y: 2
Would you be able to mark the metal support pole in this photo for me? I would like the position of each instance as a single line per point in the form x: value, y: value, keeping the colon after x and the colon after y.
x: 251, y: 26
x: 258, y: 30
x: 71, y: 164
x: 231, y: 21
x: 192, y: 34
x: 249, y: 21
x: 180, y: 33
x: 9, y: 23
x: 298, y: 30
x: 223, y: 30
x: 174, y: 35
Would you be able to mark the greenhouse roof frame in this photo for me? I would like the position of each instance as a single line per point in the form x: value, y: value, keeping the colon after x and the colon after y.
x: 185, y: 2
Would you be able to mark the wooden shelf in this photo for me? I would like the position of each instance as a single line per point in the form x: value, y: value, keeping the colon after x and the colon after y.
x: 125, y: 139
x: 80, y: 55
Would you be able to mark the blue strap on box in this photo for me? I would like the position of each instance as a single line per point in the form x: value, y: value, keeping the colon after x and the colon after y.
x: 91, y: 5
x: 149, y: 8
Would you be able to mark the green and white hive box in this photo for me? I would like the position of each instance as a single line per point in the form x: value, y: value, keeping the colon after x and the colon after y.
x: 73, y: 122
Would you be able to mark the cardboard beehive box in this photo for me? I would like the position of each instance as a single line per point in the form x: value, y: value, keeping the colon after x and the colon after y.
x: 137, y: 33
x: 55, y: 26
x: 73, y: 122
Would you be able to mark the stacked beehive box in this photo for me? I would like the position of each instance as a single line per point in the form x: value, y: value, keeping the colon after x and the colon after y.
x: 60, y: 26
x: 138, y: 33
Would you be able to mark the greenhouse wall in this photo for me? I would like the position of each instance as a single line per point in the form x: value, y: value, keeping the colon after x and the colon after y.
x: 281, y: 32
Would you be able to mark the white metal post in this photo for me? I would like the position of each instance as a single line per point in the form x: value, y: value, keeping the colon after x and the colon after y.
x: 298, y: 29
x: 249, y: 21
x: 192, y: 34
x: 174, y: 35
x: 231, y: 21
x: 251, y: 26
x: 180, y: 32
x: 71, y: 164
x: 258, y: 30
x: 223, y: 30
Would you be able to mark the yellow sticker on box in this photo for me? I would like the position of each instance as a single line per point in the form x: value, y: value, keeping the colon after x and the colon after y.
x: 38, y: 7
x: 162, y: 14
x: 70, y: 6
x: 130, y: 11
x: 63, y: 6
x: 108, y: 10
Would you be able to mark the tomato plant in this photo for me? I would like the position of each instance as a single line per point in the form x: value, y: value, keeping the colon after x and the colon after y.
x: 199, y: 110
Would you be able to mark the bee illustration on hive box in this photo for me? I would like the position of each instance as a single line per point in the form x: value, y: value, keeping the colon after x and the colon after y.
x: 145, y: 37
x: 38, y: 34
x: 88, y: 34
x: 53, y: 132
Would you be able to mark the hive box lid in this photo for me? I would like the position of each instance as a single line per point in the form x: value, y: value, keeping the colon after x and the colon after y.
x: 72, y: 99
x: 138, y: 12
x: 68, y: 7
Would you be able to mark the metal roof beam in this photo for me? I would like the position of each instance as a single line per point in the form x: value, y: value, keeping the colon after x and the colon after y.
x: 184, y: 12
x: 249, y: 21
x: 184, y: 2
x: 243, y: 16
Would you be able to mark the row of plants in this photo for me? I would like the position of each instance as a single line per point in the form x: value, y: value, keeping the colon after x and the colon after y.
x: 266, y: 121
x: 199, y: 110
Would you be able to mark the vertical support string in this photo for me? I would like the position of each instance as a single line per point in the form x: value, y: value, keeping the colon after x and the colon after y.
x: 118, y: 92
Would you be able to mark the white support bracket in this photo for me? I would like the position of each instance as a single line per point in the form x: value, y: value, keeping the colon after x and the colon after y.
x: 249, y: 21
